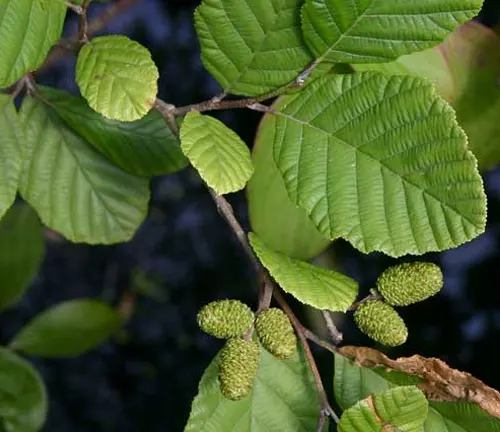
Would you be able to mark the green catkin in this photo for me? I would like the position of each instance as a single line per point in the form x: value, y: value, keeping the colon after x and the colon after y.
x: 381, y: 322
x: 225, y: 319
x: 409, y: 283
x: 276, y: 334
x: 239, y: 361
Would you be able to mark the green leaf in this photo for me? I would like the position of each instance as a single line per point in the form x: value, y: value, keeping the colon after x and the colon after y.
x: 284, y: 398
x: 459, y: 417
x: 281, y: 224
x: 220, y: 156
x: 353, y: 383
x: 312, y: 285
x: 11, y: 137
x: 404, y: 407
x: 118, y: 77
x: 28, y: 29
x: 401, y: 408
x: 68, y: 329
x: 74, y: 189
x: 464, y: 69
x: 21, y: 251
x: 372, y: 31
x: 144, y: 147
x: 23, y: 398
x: 381, y: 162
x: 251, y: 47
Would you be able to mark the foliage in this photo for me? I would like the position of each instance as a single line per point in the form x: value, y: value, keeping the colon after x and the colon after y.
x: 377, y: 157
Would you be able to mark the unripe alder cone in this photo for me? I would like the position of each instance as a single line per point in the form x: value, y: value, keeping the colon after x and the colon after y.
x: 381, y: 322
x: 276, y: 334
x: 409, y: 283
x: 239, y: 361
x: 225, y: 318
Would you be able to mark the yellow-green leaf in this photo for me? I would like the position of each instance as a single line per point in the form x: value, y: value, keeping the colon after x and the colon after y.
x: 118, y: 77
x: 312, y: 285
x: 220, y: 156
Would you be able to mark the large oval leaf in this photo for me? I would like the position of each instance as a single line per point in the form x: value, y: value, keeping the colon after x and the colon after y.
x: 251, y: 47
x: 118, y: 77
x: 312, y: 285
x: 11, y: 136
x: 68, y: 329
x: 21, y: 251
x: 220, y: 156
x: 381, y: 162
x: 28, y: 29
x: 283, y: 398
x: 284, y: 226
x: 75, y: 190
x: 370, y: 31
x: 464, y: 68
x: 23, y: 398
x: 144, y: 147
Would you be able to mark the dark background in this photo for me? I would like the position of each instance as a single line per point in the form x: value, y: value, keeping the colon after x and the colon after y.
x: 184, y: 256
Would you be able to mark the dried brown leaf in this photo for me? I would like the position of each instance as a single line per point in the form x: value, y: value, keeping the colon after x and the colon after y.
x: 440, y: 382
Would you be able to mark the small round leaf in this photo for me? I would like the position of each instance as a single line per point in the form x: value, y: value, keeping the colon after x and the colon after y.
x: 118, y: 77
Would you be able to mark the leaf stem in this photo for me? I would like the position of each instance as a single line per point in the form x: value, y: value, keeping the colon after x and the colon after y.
x: 374, y: 295
x: 335, y: 334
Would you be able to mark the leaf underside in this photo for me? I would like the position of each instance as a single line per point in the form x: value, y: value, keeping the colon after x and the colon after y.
x: 381, y: 162
x: 144, y: 147
x: 75, y: 190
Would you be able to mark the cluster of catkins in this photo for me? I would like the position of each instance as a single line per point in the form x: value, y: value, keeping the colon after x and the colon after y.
x: 239, y: 359
x: 401, y: 285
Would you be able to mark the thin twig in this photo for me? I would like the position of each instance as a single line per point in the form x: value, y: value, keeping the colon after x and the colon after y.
x: 265, y: 294
x: 335, y: 334
x: 318, y: 341
x: 96, y: 25
x: 374, y: 295
x: 226, y: 211
x: 166, y: 110
x: 83, y: 24
x: 322, y: 420
x: 300, y: 329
